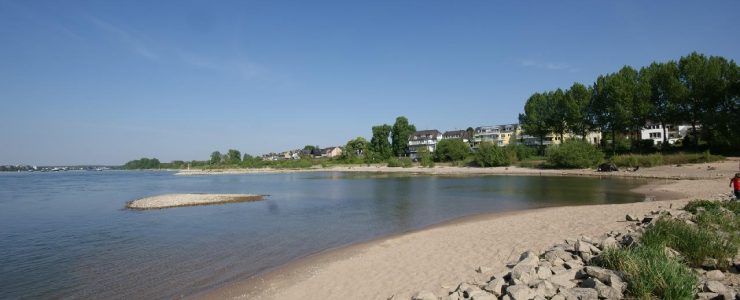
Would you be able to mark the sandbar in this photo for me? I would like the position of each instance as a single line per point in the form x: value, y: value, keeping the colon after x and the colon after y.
x: 178, y: 200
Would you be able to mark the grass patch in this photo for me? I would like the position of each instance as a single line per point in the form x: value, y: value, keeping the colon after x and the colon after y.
x: 652, y: 160
x: 695, y: 243
x: 649, y: 272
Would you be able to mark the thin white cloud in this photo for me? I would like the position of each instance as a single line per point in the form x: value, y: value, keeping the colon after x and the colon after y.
x: 530, y: 63
x: 242, y: 67
x: 134, y: 43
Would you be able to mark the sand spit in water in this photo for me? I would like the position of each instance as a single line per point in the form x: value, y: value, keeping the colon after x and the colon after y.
x: 177, y: 200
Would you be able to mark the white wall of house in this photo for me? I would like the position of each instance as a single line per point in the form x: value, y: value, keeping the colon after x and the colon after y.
x: 655, y: 132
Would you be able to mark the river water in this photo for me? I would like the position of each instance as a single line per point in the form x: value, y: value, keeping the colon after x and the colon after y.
x: 67, y: 234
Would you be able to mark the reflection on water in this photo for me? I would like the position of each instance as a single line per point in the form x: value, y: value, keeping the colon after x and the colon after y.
x: 66, y: 234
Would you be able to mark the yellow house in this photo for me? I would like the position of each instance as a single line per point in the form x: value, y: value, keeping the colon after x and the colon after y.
x: 500, y: 135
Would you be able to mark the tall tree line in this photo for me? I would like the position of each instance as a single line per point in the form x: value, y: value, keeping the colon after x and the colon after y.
x: 697, y: 90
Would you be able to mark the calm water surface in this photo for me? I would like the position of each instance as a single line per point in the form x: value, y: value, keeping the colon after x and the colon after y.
x: 66, y: 235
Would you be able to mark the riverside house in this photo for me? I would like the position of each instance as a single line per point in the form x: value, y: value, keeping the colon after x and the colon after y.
x: 331, y: 152
x: 501, y: 135
x: 456, y: 134
x: 593, y: 137
x: 673, y: 133
x: 424, y: 138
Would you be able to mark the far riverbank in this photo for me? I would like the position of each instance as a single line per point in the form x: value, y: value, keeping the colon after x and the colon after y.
x: 689, y: 171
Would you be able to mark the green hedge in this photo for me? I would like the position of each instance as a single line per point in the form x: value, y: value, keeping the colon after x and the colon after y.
x: 573, y: 154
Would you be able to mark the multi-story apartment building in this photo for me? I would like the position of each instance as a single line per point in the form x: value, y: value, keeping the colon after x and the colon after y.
x: 500, y: 135
x: 424, y: 138
x: 593, y: 137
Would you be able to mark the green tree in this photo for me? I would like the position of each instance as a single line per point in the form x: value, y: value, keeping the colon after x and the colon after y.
x: 490, y: 155
x: 665, y: 91
x: 613, y: 102
x: 557, y: 115
x: 400, y: 136
x: 215, y: 158
x: 711, y: 96
x: 425, y: 157
x: 355, y: 148
x: 579, y: 118
x: 309, y: 148
x: 471, y: 133
x: 451, y: 150
x: 143, y: 163
x: 233, y: 157
x: 379, y: 144
x: 535, y: 118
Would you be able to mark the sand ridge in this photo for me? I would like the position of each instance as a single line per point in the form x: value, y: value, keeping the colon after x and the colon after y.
x: 177, y: 200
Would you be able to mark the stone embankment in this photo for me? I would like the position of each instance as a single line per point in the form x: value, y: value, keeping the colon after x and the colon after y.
x: 177, y: 200
x: 564, y: 271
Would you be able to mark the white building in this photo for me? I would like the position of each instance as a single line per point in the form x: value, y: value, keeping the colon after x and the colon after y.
x: 424, y: 138
x: 673, y: 133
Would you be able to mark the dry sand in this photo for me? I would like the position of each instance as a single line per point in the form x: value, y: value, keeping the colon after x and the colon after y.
x: 177, y: 200
x: 442, y: 256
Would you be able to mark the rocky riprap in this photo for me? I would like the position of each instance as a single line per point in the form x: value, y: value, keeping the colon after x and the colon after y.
x: 562, y: 272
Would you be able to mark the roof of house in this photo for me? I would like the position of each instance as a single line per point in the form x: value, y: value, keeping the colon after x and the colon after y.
x: 422, y: 134
x: 329, y: 149
x: 456, y: 133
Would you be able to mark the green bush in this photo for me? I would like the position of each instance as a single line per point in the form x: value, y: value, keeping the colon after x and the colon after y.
x: 718, y: 215
x: 394, y: 163
x: 425, y: 157
x: 632, y: 160
x: 652, y: 160
x: 573, y: 154
x: 650, y: 273
x: 709, y: 205
x: 490, y: 155
x: 406, y: 162
x: 523, y: 152
x: 451, y: 150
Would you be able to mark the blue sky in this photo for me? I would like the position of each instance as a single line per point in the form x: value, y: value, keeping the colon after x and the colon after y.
x: 108, y: 81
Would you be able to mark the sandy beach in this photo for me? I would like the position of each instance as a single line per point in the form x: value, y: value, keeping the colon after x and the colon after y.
x: 443, y: 255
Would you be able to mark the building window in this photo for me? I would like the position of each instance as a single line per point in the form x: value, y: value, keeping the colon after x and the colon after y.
x: 655, y: 135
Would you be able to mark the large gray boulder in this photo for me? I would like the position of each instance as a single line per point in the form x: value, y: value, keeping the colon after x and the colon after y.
x: 564, y: 280
x: 603, y: 290
x: 496, y: 286
x: 520, y: 292
x: 582, y: 294
x: 716, y: 275
x: 543, y: 272
x: 600, y: 273
x: 545, y: 289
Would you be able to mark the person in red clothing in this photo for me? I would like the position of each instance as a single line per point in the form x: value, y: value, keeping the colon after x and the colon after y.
x: 736, y: 183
